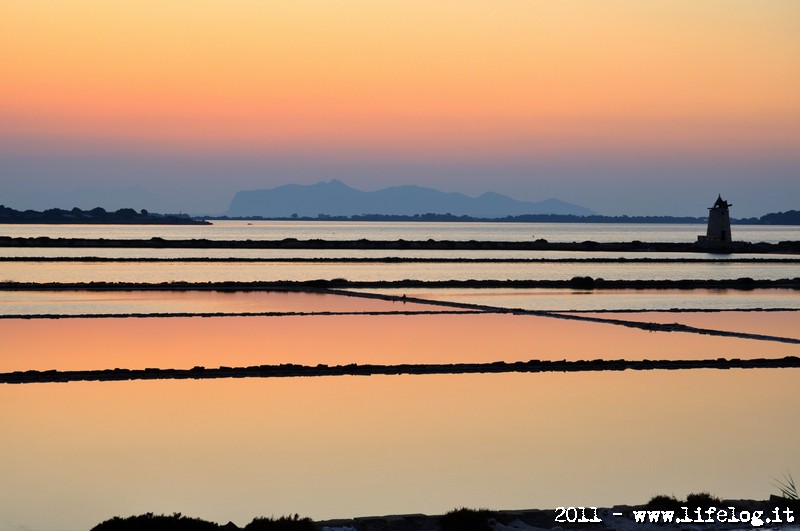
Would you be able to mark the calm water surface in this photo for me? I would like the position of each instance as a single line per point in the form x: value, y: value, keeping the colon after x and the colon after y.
x: 307, y: 230
x: 345, y: 254
x: 160, y: 302
x: 184, y: 342
x: 780, y: 324
x: 251, y: 271
x: 156, y: 272
x: 172, y: 302
x: 230, y: 450
x: 622, y: 299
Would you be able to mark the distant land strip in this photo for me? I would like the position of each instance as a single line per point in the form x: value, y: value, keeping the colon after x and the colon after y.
x: 791, y: 217
x: 292, y: 370
x: 401, y: 259
x: 99, y: 216
x: 577, y: 283
x: 785, y: 247
x: 95, y: 216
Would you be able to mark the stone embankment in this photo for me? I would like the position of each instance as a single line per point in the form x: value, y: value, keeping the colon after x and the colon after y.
x: 293, y: 370
x: 787, y: 247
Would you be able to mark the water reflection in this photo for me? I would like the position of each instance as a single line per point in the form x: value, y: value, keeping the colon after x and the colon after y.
x: 266, y: 254
x: 618, y: 299
x: 38, y: 271
x: 781, y: 324
x: 185, y: 342
x: 305, y: 230
x: 160, y: 302
x: 340, y: 447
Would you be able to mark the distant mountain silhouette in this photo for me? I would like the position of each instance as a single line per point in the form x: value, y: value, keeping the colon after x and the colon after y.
x: 334, y: 198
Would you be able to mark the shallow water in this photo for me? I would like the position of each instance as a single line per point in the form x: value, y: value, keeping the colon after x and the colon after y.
x: 306, y: 230
x: 373, y: 272
x: 230, y: 450
x: 182, y: 302
x: 344, y: 254
x: 780, y: 324
x: 76, y: 454
x: 185, y: 342
x: 618, y: 299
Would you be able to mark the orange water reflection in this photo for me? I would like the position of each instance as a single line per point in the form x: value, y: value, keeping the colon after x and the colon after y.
x: 39, y: 271
x: 192, y: 301
x: 618, y: 299
x: 340, y: 447
x: 76, y: 344
x: 780, y: 324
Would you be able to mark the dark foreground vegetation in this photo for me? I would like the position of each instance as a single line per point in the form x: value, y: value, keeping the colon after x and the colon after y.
x: 178, y: 522
x: 458, y: 520
x: 123, y: 216
x: 465, y: 519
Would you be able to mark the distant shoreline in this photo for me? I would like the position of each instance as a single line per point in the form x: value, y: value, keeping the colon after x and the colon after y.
x: 95, y: 216
x: 791, y: 217
x: 129, y: 216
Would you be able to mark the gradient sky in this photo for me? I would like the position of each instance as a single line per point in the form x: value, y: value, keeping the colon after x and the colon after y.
x: 621, y: 106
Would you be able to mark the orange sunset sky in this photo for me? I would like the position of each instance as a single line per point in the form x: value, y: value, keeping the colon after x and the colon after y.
x: 613, y: 105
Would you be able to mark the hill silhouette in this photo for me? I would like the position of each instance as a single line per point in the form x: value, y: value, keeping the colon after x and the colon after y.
x: 335, y: 198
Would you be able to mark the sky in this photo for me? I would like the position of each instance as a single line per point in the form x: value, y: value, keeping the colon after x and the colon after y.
x: 625, y: 107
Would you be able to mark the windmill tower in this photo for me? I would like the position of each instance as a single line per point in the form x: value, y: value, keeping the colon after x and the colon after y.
x: 719, y: 222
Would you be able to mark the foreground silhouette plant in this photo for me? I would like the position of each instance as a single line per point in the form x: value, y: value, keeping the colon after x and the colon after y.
x: 787, y: 487
x: 176, y: 522
x: 702, y: 499
x: 151, y: 522
x: 662, y: 502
